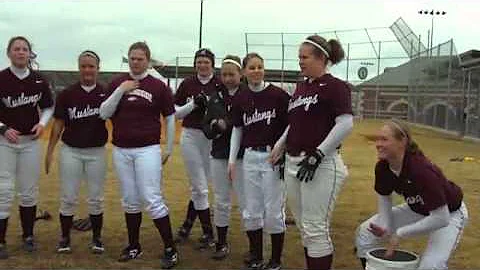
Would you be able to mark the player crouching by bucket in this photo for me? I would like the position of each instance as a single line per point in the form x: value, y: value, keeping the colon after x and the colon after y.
x: 434, y: 205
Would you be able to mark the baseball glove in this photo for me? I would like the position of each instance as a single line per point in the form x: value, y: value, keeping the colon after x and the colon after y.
x: 43, y: 214
x: 82, y: 224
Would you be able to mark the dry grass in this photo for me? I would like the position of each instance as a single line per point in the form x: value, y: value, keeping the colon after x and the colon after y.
x: 356, y: 202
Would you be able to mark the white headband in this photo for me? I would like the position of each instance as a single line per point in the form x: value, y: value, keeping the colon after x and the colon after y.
x: 88, y: 53
x: 397, y: 126
x: 318, y: 46
x: 232, y: 62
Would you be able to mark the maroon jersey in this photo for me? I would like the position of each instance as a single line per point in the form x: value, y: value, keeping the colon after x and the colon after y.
x: 262, y: 115
x: 136, y: 122
x: 187, y: 90
x: 312, y: 111
x: 79, y: 110
x: 20, y: 100
x: 421, y: 183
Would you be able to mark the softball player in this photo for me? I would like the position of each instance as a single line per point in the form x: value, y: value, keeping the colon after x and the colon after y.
x: 23, y: 92
x: 218, y: 127
x: 320, y: 118
x: 190, y: 104
x: 259, y: 116
x: 434, y: 205
x: 76, y: 119
x: 135, y: 105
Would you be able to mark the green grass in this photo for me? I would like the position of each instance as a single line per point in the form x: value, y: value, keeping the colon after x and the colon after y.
x: 356, y: 202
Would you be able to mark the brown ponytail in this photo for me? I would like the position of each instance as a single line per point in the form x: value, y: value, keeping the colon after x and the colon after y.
x: 332, y: 47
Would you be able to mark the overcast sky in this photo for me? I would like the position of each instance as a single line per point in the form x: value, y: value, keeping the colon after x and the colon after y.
x: 60, y: 30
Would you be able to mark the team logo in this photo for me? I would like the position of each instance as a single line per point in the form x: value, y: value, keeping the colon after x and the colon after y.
x: 22, y: 100
x: 140, y: 93
x: 415, y: 199
x: 75, y: 113
x: 303, y: 101
x: 267, y: 116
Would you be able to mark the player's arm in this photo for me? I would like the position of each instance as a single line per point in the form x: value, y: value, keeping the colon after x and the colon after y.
x: 235, y: 141
x: 279, y: 147
x: 437, y: 218
x: 55, y: 133
x: 182, y: 111
x: 384, y: 223
x: 109, y: 106
x: 170, y: 120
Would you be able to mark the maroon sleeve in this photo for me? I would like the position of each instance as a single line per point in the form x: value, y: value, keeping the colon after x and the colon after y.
x: 47, y: 100
x: 432, y: 187
x: 59, y: 111
x: 383, y: 183
x: 167, y: 105
x: 181, y: 94
x: 237, y: 111
x: 341, y: 99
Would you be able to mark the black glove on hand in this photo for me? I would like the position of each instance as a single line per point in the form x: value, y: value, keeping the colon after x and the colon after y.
x: 200, y: 101
x: 309, y: 165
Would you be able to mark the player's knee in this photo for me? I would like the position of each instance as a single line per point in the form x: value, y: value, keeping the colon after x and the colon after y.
x: 156, y: 209
x: 222, y: 207
x: 95, y: 207
x: 27, y: 200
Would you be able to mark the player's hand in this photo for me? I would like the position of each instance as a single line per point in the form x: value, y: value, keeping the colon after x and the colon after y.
x: 38, y: 129
x: 392, y: 245
x: 309, y: 165
x: 377, y: 230
x: 48, y: 162
x: 231, y: 171
x: 276, y: 154
x: 129, y: 85
x: 12, y: 135
x: 165, y: 157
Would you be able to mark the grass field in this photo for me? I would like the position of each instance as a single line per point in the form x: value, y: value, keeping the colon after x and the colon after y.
x: 357, y: 202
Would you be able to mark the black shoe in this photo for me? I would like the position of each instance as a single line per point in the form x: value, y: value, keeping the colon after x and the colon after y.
x: 130, y: 253
x: 182, y: 235
x: 96, y: 246
x: 63, y: 246
x: 248, y: 257
x: 254, y: 265
x: 272, y: 266
x: 3, y: 252
x: 29, y: 244
x: 170, y: 258
x: 205, y: 242
x: 221, y: 252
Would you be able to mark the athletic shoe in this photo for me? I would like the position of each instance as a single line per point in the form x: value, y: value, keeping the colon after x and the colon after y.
x: 29, y: 244
x: 272, y: 266
x: 205, y: 242
x: 254, y: 265
x: 63, y: 246
x: 130, y: 253
x: 221, y: 252
x: 96, y: 246
x: 170, y: 258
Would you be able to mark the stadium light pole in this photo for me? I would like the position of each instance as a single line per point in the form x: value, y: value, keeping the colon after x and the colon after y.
x: 432, y: 13
x: 201, y: 22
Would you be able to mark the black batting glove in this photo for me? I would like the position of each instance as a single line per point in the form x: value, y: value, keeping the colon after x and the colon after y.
x: 309, y: 165
x: 200, y: 101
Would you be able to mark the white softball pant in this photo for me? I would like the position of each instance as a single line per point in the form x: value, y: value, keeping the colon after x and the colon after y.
x: 140, y: 173
x: 441, y: 243
x: 20, y: 162
x: 264, y: 194
x: 76, y: 164
x: 196, y: 155
x: 223, y: 188
x: 312, y: 203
